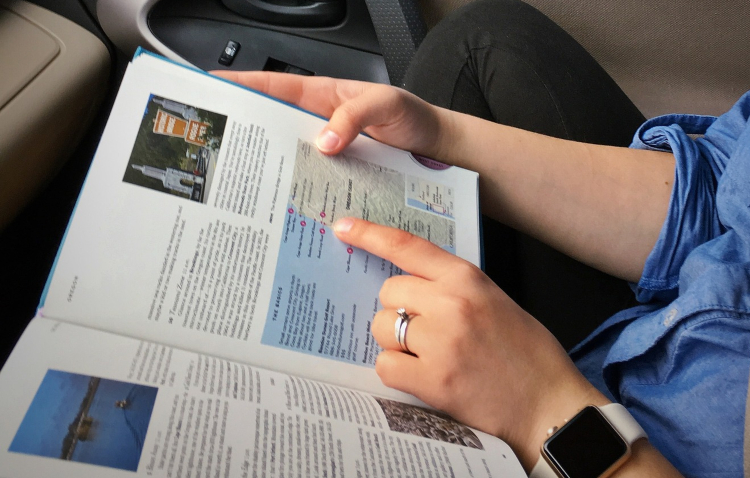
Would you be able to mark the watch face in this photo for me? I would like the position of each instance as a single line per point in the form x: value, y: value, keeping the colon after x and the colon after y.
x: 585, y: 447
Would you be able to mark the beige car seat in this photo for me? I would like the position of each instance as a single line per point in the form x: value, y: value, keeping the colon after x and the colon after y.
x: 53, y: 78
x: 689, y: 56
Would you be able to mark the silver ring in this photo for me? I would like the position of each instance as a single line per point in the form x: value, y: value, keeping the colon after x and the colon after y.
x: 401, y: 323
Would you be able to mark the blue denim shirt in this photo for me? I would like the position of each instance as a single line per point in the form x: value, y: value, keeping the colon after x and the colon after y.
x: 680, y: 362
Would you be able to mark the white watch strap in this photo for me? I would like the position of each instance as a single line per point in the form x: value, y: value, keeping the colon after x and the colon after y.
x: 622, y: 421
x: 542, y: 469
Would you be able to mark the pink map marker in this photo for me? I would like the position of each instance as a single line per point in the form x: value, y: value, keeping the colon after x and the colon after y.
x: 303, y: 223
x: 322, y: 231
x: 290, y: 211
x: 350, y: 250
x: 322, y: 214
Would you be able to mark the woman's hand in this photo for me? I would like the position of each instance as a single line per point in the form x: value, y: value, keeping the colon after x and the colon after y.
x: 390, y: 115
x: 476, y: 354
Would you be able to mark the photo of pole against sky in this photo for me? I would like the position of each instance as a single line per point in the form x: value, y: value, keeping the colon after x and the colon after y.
x: 176, y: 149
x: 87, y: 420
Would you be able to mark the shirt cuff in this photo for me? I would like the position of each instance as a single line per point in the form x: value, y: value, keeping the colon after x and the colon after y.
x: 691, y: 218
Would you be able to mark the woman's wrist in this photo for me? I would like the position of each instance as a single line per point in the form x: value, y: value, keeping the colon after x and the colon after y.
x: 448, y: 137
x: 560, y: 404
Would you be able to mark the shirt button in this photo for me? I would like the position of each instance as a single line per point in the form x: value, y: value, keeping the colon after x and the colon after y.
x: 670, y: 317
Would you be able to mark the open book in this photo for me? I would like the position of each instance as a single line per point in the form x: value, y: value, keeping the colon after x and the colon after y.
x: 201, y: 319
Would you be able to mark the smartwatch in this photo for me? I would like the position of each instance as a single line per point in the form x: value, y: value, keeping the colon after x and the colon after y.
x: 592, y: 444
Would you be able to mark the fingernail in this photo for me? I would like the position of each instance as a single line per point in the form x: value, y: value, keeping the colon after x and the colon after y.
x: 327, y: 141
x: 343, y: 225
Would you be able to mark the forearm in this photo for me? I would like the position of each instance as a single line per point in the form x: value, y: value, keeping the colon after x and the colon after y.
x: 599, y: 204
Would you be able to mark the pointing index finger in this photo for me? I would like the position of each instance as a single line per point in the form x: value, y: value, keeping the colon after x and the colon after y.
x: 413, y: 254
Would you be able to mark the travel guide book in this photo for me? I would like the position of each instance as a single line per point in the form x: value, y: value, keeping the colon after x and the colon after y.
x: 202, y: 320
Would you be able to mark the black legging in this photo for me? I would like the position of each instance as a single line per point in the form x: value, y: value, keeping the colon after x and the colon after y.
x: 504, y: 61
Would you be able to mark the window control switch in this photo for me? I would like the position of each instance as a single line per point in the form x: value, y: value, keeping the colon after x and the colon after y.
x: 230, y: 51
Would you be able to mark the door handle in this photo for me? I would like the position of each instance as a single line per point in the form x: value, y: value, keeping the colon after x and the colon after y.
x: 296, y: 13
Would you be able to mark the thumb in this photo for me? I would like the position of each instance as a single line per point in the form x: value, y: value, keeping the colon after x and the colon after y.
x: 376, y: 105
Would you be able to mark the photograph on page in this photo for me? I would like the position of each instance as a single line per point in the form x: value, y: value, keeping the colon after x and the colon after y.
x: 176, y: 149
x: 86, y: 419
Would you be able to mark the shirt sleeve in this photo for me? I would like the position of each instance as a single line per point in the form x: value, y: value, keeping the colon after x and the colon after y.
x: 692, y: 217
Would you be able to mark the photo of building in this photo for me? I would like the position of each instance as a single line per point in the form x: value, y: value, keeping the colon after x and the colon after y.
x: 176, y: 149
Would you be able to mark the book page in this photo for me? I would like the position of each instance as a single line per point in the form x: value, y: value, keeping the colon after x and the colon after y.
x: 157, y: 411
x: 205, y: 223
